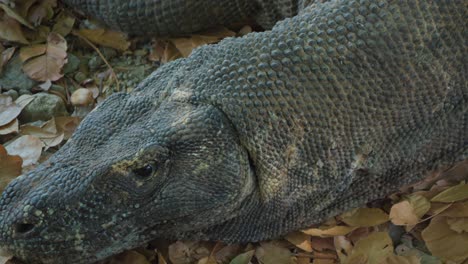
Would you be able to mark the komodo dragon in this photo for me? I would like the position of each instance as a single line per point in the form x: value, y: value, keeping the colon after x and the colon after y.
x: 254, y: 137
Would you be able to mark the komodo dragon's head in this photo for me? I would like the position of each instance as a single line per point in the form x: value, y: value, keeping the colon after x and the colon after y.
x: 139, y: 167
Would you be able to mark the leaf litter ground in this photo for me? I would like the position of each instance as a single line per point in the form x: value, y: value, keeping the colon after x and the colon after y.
x: 425, y: 223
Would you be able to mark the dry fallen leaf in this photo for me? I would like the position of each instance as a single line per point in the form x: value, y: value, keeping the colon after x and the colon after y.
x: 10, y: 167
x: 48, y: 133
x: 445, y: 243
x: 10, y: 30
x: 403, y: 213
x: 105, y: 37
x: 5, y: 56
x: 207, y: 260
x: 300, y: 240
x: 270, y: 253
x: 64, y: 24
x: 8, y: 110
x: 364, y: 217
x: 48, y: 65
x: 457, y: 210
x: 372, y: 249
x: 458, y: 225
x: 29, y: 148
x: 11, y: 12
x: 452, y: 194
x: 12, y: 127
x: 330, y: 231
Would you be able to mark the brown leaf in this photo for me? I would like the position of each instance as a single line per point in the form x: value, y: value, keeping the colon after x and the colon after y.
x: 343, y: 247
x: 48, y: 66
x: 394, y: 259
x: 67, y: 125
x: 6, y: 56
x: 452, y: 194
x: 445, y: 243
x: 41, y: 11
x: 207, y: 260
x: 270, y: 253
x: 29, y: 148
x: 64, y: 24
x: 457, y: 210
x: 187, y: 45
x: 420, y: 204
x: 364, y: 217
x: 300, y: 240
x: 9, y: 128
x: 106, y: 38
x: 372, y: 249
x: 8, y: 110
x: 330, y: 231
x: 458, y: 225
x: 14, y: 14
x: 10, y: 167
x: 32, y: 51
x: 10, y: 30
x: 403, y: 213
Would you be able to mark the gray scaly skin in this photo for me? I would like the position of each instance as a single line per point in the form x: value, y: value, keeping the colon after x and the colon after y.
x: 257, y: 136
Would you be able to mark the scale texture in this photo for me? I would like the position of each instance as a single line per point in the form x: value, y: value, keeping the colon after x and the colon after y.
x: 254, y: 137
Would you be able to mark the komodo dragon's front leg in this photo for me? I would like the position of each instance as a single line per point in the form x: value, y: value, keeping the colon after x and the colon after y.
x: 256, y: 136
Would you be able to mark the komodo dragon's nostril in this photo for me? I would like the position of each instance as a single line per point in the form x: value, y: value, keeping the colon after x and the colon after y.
x: 23, y: 228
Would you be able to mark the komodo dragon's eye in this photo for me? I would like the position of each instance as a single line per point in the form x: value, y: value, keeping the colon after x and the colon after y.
x: 145, y: 171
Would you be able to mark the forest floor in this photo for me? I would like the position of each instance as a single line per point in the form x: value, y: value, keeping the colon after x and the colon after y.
x: 56, y: 65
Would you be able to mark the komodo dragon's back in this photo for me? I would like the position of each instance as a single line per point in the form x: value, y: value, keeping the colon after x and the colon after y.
x: 256, y: 136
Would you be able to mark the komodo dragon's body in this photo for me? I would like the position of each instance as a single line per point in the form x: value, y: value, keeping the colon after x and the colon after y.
x: 256, y: 136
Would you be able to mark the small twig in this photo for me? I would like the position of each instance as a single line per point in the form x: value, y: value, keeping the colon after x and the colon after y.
x: 102, y: 57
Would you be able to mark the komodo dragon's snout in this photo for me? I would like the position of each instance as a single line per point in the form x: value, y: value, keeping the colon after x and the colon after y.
x: 139, y: 162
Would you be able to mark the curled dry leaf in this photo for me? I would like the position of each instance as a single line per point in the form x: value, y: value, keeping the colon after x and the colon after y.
x: 29, y: 148
x: 364, y: 217
x: 329, y: 231
x: 48, y: 65
x: 445, y: 243
x: 452, y: 194
x: 48, y: 133
x: 12, y: 127
x: 106, y: 38
x: 300, y: 240
x: 10, y: 167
